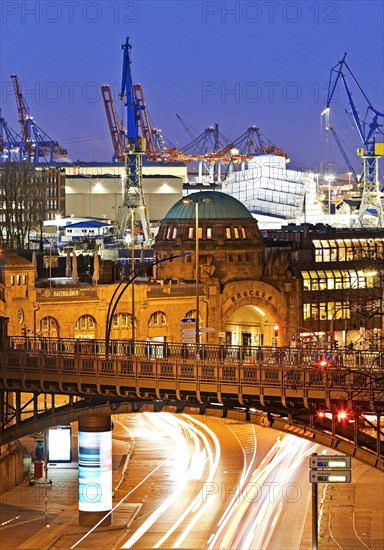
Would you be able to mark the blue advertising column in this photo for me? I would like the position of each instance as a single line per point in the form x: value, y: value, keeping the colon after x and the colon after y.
x: 95, y: 470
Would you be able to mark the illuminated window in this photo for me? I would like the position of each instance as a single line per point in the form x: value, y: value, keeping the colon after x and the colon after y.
x: 306, y: 311
x: 243, y: 233
x: 174, y: 233
x: 228, y: 233
x: 169, y: 232
x: 190, y: 232
x: 209, y: 232
x: 236, y: 232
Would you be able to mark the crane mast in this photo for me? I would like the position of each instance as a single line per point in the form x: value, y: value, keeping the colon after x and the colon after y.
x: 371, y: 211
x: 133, y: 204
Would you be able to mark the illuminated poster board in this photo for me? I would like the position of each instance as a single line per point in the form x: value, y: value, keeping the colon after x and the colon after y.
x: 95, y: 471
x: 60, y: 444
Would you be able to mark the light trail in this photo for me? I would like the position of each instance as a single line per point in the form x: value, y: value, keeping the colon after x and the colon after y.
x: 183, y: 470
x: 253, y: 514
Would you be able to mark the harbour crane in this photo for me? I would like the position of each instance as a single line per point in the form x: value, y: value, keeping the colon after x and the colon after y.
x: 371, y: 211
x: 253, y: 142
x: 37, y: 147
x: 133, y: 205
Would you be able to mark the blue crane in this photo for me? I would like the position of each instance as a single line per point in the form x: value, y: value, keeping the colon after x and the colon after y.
x: 11, y: 144
x: 371, y: 209
x: 37, y: 146
x: 133, y: 204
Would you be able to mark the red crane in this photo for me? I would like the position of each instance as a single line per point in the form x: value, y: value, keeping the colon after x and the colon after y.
x: 115, y: 129
x: 23, y: 113
x: 145, y: 125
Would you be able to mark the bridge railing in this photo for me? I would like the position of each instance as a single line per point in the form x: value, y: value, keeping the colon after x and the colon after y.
x: 279, y: 356
x: 272, y: 370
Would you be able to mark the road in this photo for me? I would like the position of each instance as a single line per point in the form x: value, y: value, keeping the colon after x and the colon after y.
x: 203, y: 482
x: 207, y: 484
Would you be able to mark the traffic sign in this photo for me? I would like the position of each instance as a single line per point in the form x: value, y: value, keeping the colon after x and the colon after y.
x: 188, y: 340
x: 330, y: 476
x: 330, y: 462
x: 188, y: 320
x: 264, y: 421
x: 208, y: 329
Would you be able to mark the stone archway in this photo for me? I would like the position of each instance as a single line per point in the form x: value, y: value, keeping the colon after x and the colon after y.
x: 250, y: 311
x: 250, y: 325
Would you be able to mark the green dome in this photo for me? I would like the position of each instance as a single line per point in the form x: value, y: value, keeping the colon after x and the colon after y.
x: 218, y: 206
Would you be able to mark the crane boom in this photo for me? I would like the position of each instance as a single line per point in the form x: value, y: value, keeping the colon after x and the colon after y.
x: 23, y: 113
x: 114, y: 128
x: 351, y: 169
x: 145, y: 125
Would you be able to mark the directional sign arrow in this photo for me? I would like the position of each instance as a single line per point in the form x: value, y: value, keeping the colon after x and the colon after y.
x: 188, y: 320
x: 330, y: 476
x: 332, y: 462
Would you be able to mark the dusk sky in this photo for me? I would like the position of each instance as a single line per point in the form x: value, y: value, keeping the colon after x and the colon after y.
x: 235, y: 63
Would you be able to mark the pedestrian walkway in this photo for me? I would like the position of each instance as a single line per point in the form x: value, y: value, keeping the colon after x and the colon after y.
x: 42, y: 513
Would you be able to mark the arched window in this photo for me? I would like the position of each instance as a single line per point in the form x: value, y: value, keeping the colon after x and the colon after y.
x: 191, y: 314
x: 122, y: 320
x: 86, y: 323
x: 48, y: 327
x: 157, y: 319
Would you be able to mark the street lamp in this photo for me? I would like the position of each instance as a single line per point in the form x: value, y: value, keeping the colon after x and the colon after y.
x: 196, y: 202
x: 126, y: 282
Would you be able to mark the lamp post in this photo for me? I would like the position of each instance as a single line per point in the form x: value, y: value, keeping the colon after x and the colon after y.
x: 126, y: 282
x: 133, y: 270
x: 196, y: 202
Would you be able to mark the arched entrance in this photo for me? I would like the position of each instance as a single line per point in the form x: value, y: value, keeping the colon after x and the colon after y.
x: 250, y: 325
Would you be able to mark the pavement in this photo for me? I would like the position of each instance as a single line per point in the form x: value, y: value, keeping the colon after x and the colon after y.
x: 42, y: 513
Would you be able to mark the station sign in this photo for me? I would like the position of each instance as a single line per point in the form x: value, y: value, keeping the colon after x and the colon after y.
x: 330, y: 462
x: 330, y: 476
x: 188, y: 320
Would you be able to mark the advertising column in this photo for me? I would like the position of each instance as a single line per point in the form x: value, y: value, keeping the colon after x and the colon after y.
x: 95, y: 470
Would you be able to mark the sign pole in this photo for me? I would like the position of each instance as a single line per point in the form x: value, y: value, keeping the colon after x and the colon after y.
x: 315, y: 534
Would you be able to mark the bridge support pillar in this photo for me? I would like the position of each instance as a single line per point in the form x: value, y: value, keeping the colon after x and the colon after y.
x: 95, y: 470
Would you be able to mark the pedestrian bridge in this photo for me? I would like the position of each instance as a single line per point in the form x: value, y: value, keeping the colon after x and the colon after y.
x: 301, y: 385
